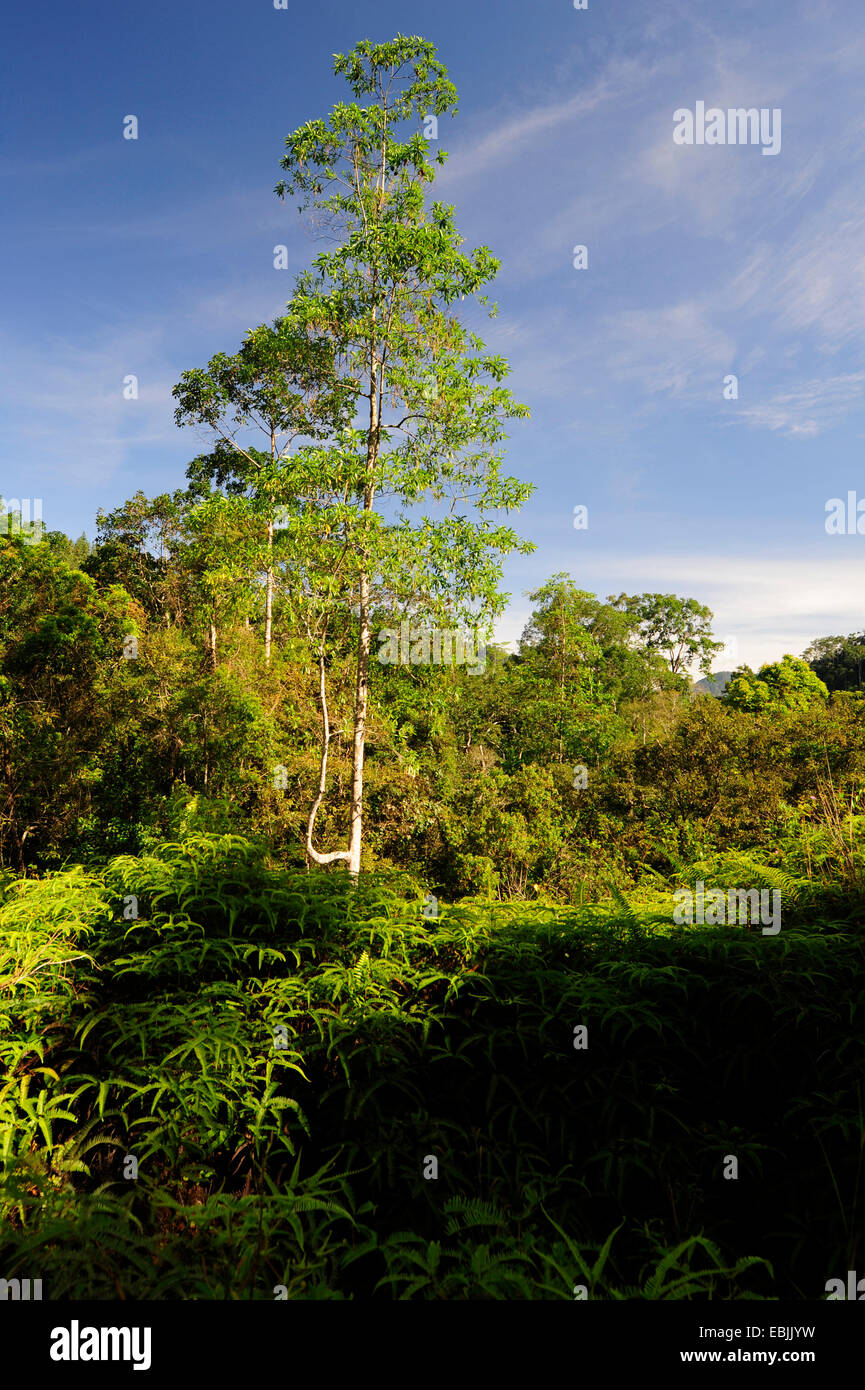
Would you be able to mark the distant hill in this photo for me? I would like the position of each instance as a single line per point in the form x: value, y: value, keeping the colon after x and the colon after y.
x: 715, y: 684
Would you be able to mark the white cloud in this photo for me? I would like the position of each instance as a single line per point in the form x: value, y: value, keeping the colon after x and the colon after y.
x: 507, y: 136
x: 672, y: 349
x: 769, y: 604
x: 810, y: 408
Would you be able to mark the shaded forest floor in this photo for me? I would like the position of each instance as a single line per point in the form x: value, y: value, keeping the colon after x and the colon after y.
x: 228, y: 1081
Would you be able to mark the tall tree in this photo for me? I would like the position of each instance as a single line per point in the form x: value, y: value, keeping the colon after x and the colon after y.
x: 562, y: 655
x: 60, y: 651
x: 838, y: 661
x: 786, y: 684
x: 431, y: 411
x: 680, y: 628
x: 281, y: 382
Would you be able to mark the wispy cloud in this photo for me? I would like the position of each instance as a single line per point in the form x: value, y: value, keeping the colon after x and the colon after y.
x: 764, y: 606
x: 812, y: 408
x: 506, y: 138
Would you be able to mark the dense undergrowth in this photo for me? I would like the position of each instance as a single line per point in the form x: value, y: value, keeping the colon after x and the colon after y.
x: 283, y: 1054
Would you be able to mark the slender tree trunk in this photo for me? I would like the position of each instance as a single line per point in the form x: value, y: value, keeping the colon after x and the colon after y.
x: 268, y: 601
x: 361, y: 702
x: 311, y: 853
x: 361, y: 695
x: 211, y: 645
x: 562, y: 691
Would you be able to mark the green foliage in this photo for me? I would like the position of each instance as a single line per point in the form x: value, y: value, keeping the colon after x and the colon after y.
x: 156, y: 1036
x: 282, y: 1048
x: 838, y: 661
x: 678, y: 628
x: 789, y: 684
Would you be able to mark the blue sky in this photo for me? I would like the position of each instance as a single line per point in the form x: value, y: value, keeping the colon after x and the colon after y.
x: 148, y: 256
